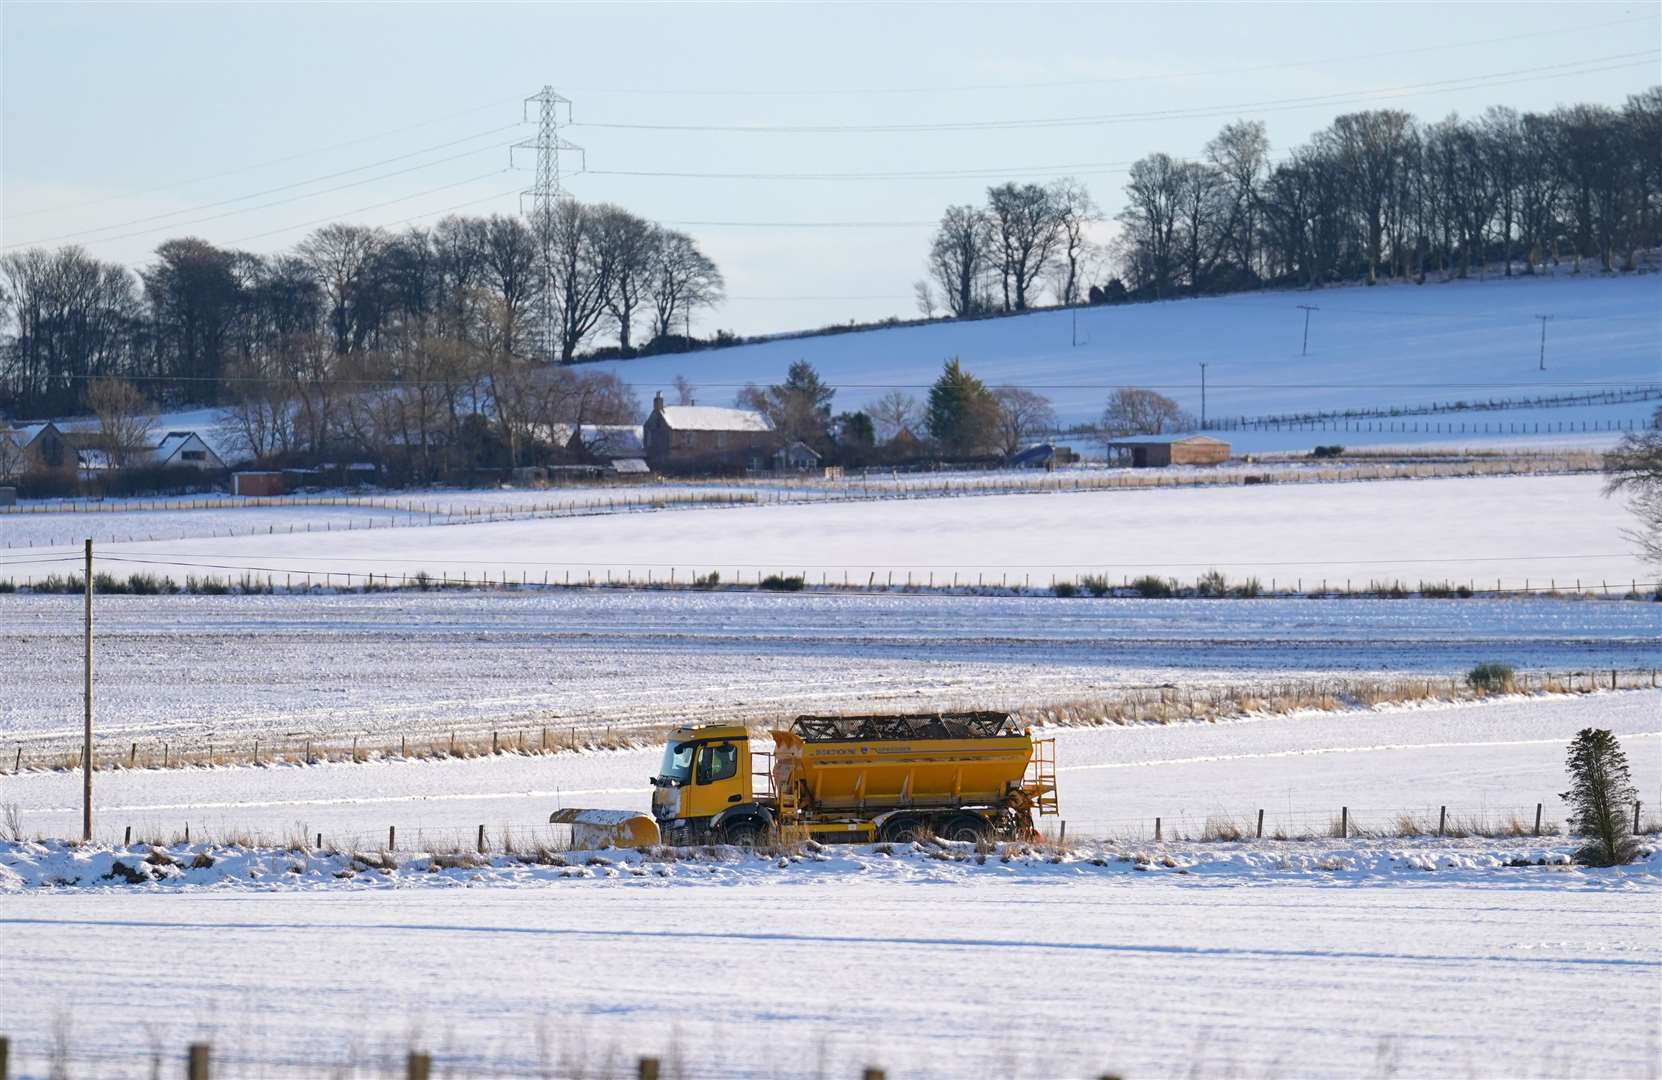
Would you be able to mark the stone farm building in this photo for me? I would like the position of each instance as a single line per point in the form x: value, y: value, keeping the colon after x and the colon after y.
x: 1154, y: 451
x: 706, y: 439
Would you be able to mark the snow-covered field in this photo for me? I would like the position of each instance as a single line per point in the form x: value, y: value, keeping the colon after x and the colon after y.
x: 1383, y: 346
x: 1518, y: 530
x: 196, y: 670
x: 1351, y: 963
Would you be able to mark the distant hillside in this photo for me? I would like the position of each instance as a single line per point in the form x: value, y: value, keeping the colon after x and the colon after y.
x: 1369, y: 347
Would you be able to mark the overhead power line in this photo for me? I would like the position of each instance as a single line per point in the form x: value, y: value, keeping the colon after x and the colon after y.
x: 379, y: 205
x: 1502, y: 78
x: 262, y: 164
x: 1176, y: 76
x: 266, y: 205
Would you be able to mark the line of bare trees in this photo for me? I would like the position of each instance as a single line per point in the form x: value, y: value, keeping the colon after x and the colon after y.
x: 476, y: 294
x: 1376, y: 194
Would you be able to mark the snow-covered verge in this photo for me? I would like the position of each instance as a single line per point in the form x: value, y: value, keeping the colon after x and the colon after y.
x: 60, y: 865
x: 925, y: 967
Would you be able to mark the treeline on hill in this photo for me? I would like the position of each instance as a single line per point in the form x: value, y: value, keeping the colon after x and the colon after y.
x: 1378, y: 193
x: 470, y: 301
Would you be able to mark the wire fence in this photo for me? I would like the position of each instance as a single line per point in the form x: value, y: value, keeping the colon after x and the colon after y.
x: 1550, y: 401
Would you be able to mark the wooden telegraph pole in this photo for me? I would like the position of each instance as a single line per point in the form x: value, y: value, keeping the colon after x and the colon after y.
x: 86, y: 746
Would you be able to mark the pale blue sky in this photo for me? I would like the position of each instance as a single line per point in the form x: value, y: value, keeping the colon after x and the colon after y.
x: 115, y: 113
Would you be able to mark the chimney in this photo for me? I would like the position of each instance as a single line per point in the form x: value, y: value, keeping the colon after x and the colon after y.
x: 658, y: 402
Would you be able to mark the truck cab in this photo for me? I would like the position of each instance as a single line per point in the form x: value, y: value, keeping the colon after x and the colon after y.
x: 703, y: 792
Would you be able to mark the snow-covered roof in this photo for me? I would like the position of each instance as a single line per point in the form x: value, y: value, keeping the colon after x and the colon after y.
x: 175, y: 441
x: 713, y: 418
x: 1165, y: 440
x: 630, y: 466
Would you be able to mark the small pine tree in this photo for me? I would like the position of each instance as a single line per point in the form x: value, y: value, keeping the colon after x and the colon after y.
x: 1601, y: 790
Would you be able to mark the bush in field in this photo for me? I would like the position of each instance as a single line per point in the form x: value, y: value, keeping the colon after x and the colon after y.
x: 1150, y: 587
x: 1601, y: 793
x: 707, y: 581
x: 1065, y: 589
x: 1248, y: 589
x: 7, y: 585
x: 1327, y: 451
x: 781, y: 583
x: 1212, y: 583
x: 1096, y: 584
x: 206, y: 586
x: 1492, y: 677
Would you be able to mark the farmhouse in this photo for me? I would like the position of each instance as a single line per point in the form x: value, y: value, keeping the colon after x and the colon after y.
x: 42, y: 445
x: 1154, y: 451
x: 701, y: 438
x: 184, y: 450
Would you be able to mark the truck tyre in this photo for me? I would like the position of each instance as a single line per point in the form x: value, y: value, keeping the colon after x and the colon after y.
x: 901, y: 829
x: 962, y: 828
x: 744, y: 833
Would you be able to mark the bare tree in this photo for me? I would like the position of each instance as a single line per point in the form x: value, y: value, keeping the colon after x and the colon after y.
x: 576, y: 268
x: 1134, y: 411
x: 959, y: 257
x: 1022, y: 415
x: 1026, y: 230
x: 681, y: 279
x: 1075, y: 213
x: 340, y: 256
x: 924, y: 297
x: 683, y: 390
x: 123, y: 420
x: 1634, y: 468
x: 629, y: 242
x: 895, y: 412
x: 14, y: 460
x: 1240, y: 154
x: 1150, y: 222
x: 509, y: 265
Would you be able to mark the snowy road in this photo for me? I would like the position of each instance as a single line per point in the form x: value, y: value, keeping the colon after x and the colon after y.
x: 1484, y: 761
x: 1149, y: 975
x: 194, y: 669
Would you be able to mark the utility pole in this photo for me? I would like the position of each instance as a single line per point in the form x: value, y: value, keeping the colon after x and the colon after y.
x: 86, y: 745
x: 1544, y: 320
x: 1307, y: 308
x: 1075, y: 311
x: 1203, y: 394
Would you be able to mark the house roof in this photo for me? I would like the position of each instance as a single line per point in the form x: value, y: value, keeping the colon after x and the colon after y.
x: 1165, y: 440
x: 712, y: 418
x: 1035, y: 452
x: 175, y: 441
x: 796, y: 446
x: 631, y: 466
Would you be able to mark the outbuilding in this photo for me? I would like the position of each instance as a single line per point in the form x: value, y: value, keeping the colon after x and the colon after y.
x: 1156, y: 451
x: 259, y: 484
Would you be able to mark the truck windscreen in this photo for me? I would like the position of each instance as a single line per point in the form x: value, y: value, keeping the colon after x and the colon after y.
x: 677, y: 766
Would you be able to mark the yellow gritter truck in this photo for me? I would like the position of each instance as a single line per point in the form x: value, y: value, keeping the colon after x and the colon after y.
x: 960, y: 776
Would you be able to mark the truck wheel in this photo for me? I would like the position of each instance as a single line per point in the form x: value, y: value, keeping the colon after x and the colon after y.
x: 963, y: 828
x: 900, y: 830
x: 745, y: 833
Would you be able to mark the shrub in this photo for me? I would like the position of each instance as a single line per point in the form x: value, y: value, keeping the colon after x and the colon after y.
x: 57, y: 583
x: 1065, y: 589
x: 781, y: 583
x: 206, y: 586
x: 1327, y: 451
x: 1436, y: 591
x: 7, y: 585
x: 1248, y: 589
x: 143, y: 584
x: 422, y: 580
x: 706, y: 581
x: 1151, y: 587
x: 1212, y: 583
x: 1492, y: 677
x: 1096, y: 584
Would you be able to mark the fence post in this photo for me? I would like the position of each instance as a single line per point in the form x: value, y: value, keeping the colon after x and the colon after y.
x: 197, y: 1068
x: 392, y: 837
x: 1063, y: 838
x: 1537, y: 819
x: 872, y: 1072
x: 481, y: 838
x: 5, y: 1057
x: 647, y: 1069
x: 419, y: 1066
x: 1442, y: 819
x: 1156, y: 830
x: 1260, y: 824
x: 1344, y: 822
x: 1636, y: 805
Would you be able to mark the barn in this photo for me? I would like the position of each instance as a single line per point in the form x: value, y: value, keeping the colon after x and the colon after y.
x: 1156, y: 451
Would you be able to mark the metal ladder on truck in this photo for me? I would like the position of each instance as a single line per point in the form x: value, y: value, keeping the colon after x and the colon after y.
x: 1040, y: 782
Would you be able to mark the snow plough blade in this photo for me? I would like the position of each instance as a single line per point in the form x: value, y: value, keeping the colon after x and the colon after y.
x: 607, y: 828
